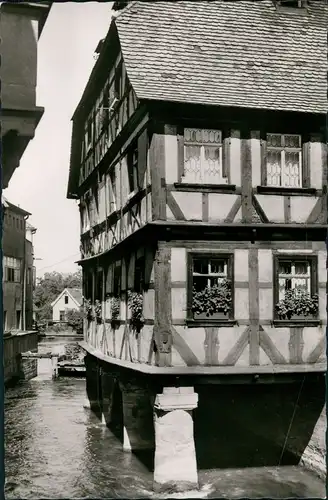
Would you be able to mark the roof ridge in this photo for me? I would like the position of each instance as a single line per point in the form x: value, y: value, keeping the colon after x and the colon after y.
x: 119, y: 13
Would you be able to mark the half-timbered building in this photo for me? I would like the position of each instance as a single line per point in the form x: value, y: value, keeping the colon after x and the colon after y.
x: 200, y: 162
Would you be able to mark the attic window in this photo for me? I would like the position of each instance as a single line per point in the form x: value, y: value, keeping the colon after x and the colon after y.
x: 296, y: 4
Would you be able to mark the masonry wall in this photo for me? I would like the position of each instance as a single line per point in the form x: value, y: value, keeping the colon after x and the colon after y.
x: 314, y: 456
x: 14, y: 367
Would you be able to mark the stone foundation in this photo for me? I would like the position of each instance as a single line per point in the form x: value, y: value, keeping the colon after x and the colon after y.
x: 16, y: 368
x: 224, y: 426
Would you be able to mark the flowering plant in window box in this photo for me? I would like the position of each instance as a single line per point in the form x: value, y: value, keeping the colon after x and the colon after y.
x: 98, y: 310
x: 135, y: 304
x: 297, y: 304
x: 87, y: 306
x: 213, y: 301
x: 115, y: 310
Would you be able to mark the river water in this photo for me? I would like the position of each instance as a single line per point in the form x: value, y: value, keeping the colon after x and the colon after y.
x: 56, y: 448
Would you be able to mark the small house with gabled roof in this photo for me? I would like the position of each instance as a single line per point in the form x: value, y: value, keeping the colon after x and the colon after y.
x: 199, y: 159
x: 68, y: 299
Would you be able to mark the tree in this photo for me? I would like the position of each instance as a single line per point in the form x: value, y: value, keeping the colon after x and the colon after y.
x: 74, y: 319
x: 49, y: 287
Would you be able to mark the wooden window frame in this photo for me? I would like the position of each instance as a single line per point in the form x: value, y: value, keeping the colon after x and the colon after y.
x: 314, y: 284
x: 18, y: 319
x: 292, y: 4
x: 305, y: 161
x: 139, y: 278
x: 89, y: 136
x: 117, y: 281
x: 229, y: 256
x: 112, y: 195
x: 99, y: 284
x: 118, y: 78
x: 88, y: 284
x: 225, y: 153
x: 66, y: 299
x: 12, y: 269
x: 132, y: 166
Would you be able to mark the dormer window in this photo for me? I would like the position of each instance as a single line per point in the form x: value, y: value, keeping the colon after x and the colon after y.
x: 296, y: 4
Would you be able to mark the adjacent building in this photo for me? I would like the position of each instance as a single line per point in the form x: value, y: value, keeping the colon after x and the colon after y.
x: 21, y: 24
x: 199, y: 159
x: 68, y: 299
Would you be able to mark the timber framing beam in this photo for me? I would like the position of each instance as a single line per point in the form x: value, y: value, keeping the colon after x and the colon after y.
x: 184, y: 230
x: 210, y: 374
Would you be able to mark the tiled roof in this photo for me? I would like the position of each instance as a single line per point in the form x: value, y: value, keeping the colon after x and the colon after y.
x: 7, y: 204
x: 76, y: 293
x: 230, y: 53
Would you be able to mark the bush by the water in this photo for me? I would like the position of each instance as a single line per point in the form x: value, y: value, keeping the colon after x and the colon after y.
x: 74, y: 352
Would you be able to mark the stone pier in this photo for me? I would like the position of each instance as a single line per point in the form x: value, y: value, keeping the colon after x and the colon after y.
x: 138, y: 426
x: 175, y: 456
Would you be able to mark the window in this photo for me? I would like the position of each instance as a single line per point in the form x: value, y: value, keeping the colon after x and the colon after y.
x: 88, y: 279
x: 105, y: 107
x: 18, y: 320
x: 203, y: 156
x: 284, y: 160
x: 112, y: 191
x: 99, y: 285
x: 117, y: 281
x: 132, y: 160
x: 66, y: 299
x: 29, y: 276
x: 118, y: 81
x: 296, y: 283
x: 61, y: 315
x: 91, y: 207
x: 210, y: 294
x: 139, y: 275
x: 89, y: 135
x: 34, y: 276
x: 12, y: 269
x: 292, y: 3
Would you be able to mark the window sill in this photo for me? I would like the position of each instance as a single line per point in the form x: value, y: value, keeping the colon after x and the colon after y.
x: 193, y: 323
x: 205, y: 188
x: 296, y: 323
x: 286, y: 191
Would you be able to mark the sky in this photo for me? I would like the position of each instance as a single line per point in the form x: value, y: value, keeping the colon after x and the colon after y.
x: 65, y: 60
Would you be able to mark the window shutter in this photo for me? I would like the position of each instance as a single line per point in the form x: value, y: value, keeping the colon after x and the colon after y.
x: 109, y: 280
x: 306, y: 161
x: 263, y: 159
x: 180, y: 139
x: 226, y: 155
x: 142, y: 157
x: 16, y: 275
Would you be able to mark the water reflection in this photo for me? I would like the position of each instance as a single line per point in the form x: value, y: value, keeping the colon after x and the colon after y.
x: 55, y: 448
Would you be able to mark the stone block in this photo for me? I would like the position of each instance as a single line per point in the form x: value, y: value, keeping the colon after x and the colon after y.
x: 175, y: 456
